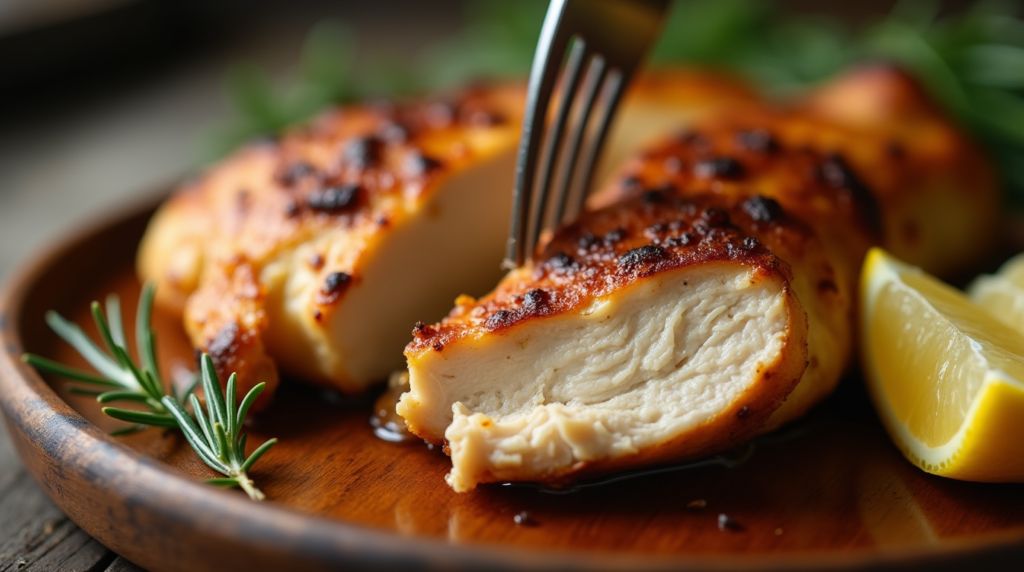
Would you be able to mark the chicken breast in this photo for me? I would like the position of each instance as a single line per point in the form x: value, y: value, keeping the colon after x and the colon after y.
x: 314, y: 253
x: 707, y: 296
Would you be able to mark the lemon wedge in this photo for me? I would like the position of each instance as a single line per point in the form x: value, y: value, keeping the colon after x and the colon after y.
x: 1002, y: 294
x: 947, y: 378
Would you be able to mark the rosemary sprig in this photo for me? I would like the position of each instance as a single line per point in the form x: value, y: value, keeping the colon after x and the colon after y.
x: 214, y: 436
x: 120, y: 378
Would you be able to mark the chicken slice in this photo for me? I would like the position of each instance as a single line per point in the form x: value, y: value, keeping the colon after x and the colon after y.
x: 314, y: 253
x: 706, y: 297
x: 654, y: 330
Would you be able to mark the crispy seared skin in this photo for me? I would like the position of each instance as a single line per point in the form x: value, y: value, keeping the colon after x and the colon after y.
x: 802, y: 191
x: 262, y: 252
x: 612, y: 249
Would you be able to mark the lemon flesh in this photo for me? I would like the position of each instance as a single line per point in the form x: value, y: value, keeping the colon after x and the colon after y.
x: 945, y: 376
x: 1002, y: 294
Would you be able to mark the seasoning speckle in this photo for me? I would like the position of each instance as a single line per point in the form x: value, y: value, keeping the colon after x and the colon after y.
x: 418, y: 164
x: 743, y: 412
x: 643, y: 255
x: 654, y: 196
x: 763, y: 209
x: 335, y: 282
x: 333, y: 199
x: 724, y: 167
x: 715, y: 217
x: 499, y: 319
x: 615, y: 236
x: 587, y: 241
x: 363, y: 152
x: 560, y: 261
x: 535, y: 299
x: 683, y: 240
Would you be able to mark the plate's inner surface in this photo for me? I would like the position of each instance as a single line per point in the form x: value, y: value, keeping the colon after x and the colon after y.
x: 833, y: 483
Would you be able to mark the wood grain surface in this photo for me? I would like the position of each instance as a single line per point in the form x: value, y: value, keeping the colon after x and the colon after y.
x: 35, y: 535
x: 830, y: 491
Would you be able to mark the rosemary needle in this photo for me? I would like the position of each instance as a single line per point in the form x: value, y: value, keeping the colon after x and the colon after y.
x: 215, y: 436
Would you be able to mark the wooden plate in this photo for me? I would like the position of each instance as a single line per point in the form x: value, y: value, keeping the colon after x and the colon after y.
x: 830, y: 493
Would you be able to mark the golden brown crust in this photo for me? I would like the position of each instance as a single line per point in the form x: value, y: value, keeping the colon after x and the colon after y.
x: 361, y: 169
x: 607, y: 250
x: 348, y: 177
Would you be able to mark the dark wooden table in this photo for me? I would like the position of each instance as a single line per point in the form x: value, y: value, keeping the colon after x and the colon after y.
x: 35, y: 535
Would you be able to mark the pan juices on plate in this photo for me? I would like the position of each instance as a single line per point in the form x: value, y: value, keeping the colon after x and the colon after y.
x: 707, y: 296
x: 316, y: 252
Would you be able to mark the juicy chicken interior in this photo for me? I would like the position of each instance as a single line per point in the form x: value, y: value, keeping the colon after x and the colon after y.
x: 708, y: 294
x: 315, y: 253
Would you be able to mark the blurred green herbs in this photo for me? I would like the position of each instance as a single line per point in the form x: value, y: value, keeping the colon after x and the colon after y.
x: 972, y: 62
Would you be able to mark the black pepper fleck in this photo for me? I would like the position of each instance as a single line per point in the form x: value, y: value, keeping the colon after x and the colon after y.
x: 642, y: 255
x: 333, y: 199
x: 363, y: 152
x: 560, y: 260
x: 743, y: 412
x: 655, y: 230
x: 615, y: 236
x: 763, y: 209
x: 653, y: 196
x: 418, y: 164
x: 715, y: 217
x: 335, y: 282
x: 438, y: 346
x: 724, y: 167
x: 684, y: 240
x: 587, y: 241
x: 836, y: 173
x: 535, y: 299
x: 499, y: 319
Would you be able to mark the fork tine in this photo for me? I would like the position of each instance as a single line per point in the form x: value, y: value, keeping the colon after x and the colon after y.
x: 616, y: 86
x: 594, y: 79
x: 546, y: 63
x: 573, y: 71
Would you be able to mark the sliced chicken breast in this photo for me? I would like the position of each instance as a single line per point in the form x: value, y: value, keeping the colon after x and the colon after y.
x: 314, y: 253
x: 708, y: 295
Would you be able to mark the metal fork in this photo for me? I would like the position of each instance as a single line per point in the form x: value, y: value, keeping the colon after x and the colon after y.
x: 606, y: 39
